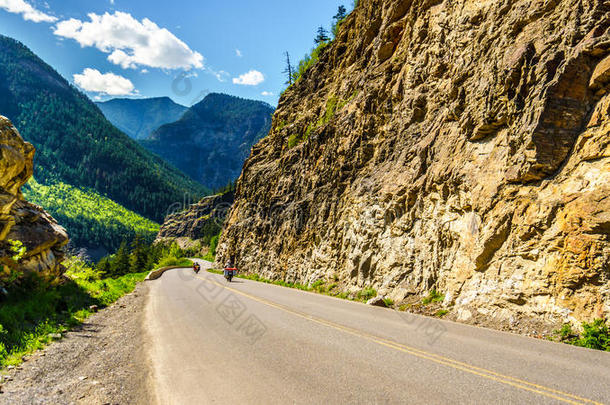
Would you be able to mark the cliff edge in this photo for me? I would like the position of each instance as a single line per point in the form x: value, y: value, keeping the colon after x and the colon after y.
x: 457, y: 145
x: 31, y: 241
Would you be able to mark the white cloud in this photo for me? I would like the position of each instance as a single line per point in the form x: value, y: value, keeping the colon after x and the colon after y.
x: 29, y: 13
x: 220, y: 75
x: 267, y: 93
x: 109, y: 83
x: 144, y: 71
x: 238, y: 53
x: 252, y: 78
x: 131, y: 43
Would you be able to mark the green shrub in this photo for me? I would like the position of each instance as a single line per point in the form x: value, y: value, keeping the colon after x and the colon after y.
x: 174, y: 261
x: 366, y: 294
x: 595, y: 335
x: 433, y: 296
x: 388, y: 302
x: 308, y: 61
x: 440, y: 313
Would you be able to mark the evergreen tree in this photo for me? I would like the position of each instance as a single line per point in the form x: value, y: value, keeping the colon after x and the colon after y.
x: 341, y: 14
x: 138, y: 257
x: 120, y: 264
x: 289, y: 70
x: 322, y: 36
x: 105, y: 267
x: 338, y: 19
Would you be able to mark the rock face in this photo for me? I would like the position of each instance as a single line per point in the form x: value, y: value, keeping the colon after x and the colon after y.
x: 457, y: 145
x: 21, y: 221
x: 199, y: 220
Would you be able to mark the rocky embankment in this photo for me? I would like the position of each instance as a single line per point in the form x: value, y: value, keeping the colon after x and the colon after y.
x: 198, y: 221
x: 21, y: 221
x: 457, y: 145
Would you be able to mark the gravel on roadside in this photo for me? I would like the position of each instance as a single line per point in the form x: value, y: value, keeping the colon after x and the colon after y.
x: 103, y: 361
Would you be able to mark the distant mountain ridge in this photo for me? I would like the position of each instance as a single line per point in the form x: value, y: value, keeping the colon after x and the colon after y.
x: 213, y: 138
x: 75, y: 143
x: 138, y: 118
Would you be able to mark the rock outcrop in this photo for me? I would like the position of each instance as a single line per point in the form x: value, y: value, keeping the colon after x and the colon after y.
x: 197, y: 221
x: 23, y: 223
x: 457, y: 145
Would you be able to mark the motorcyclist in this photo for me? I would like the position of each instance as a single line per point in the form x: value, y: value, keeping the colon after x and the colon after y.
x: 230, y: 269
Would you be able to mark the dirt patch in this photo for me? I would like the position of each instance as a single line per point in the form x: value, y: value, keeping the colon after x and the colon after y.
x: 104, y: 361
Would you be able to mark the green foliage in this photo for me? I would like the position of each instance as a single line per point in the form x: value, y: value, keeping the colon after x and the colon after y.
x: 211, y: 256
x: 388, y: 302
x: 338, y: 19
x: 76, y: 145
x: 174, y: 261
x: 293, y: 140
x: 90, y: 219
x: 322, y: 36
x: 595, y: 335
x: 441, y: 312
x: 18, y: 249
x: 333, y: 104
x: 433, y: 296
x: 309, y: 60
x: 28, y: 317
x: 366, y: 294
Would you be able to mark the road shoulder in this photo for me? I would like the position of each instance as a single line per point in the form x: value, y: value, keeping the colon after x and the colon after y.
x: 102, y: 361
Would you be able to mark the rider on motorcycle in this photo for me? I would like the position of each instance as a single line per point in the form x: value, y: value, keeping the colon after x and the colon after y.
x: 230, y: 270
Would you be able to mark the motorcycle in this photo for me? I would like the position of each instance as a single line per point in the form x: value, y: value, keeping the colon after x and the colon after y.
x: 230, y: 273
x: 196, y: 268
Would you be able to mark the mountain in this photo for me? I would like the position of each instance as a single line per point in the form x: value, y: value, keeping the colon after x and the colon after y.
x: 139, y: 118
x: 76, y: 145
x: 457, y: 149
x: 213, y: 138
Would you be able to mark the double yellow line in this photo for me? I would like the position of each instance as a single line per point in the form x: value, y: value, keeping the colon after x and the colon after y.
x: 458, y: 365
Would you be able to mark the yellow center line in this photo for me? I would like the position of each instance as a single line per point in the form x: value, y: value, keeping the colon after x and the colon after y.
x: 491, y: 375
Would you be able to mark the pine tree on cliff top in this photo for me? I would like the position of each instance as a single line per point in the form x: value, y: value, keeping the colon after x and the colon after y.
x: 322, y: 35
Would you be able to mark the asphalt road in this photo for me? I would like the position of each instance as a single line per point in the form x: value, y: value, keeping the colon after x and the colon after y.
x: 253, y: 343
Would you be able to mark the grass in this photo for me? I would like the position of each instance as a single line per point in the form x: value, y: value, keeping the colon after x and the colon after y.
x: 34, y: 314
x: 333, y: 104
x: 388, y: 302
x: 595, y: 335
x: 433, y: 296
x: 366, y: 294
x: 441, y: 312
x: 174, y: 261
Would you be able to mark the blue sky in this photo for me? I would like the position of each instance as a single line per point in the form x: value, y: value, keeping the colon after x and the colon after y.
x: 113, y: 48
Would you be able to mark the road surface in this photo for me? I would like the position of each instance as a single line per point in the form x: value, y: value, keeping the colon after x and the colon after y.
x: 254, y: 343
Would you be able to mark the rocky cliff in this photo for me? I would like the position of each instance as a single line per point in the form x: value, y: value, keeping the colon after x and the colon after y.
x: 199, y: 221
x: 458, y: 145
x: 23, y: 224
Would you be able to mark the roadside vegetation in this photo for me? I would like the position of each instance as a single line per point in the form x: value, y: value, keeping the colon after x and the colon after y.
x: 319, y: 287
x: 34, y: 312
x: 595, y: 335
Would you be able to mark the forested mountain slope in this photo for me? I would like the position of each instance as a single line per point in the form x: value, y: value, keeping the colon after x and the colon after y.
x: 138, y: 118
x: 74, y: 142
x: 454, y: 148
x: 213, y: 139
